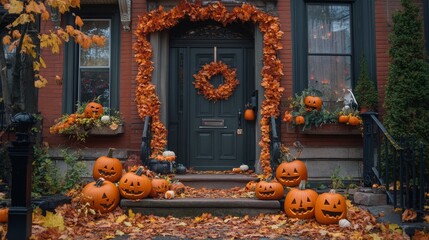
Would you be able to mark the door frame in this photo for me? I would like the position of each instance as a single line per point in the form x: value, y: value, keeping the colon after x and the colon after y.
x: 160, y: 47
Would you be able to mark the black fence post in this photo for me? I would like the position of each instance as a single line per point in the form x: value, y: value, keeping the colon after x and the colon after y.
x: 368, y: 148
x: 21, y: 157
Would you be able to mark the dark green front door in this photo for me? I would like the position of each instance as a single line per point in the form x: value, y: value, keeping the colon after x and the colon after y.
x: 207, y: 134
x: 215, y: 138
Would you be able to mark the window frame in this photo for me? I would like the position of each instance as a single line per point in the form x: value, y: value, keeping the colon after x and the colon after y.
x: 71, y: 57
x: 362, y: 25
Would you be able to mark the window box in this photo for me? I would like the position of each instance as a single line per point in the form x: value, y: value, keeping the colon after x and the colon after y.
x: 326, y: 129
x: 105, y: 130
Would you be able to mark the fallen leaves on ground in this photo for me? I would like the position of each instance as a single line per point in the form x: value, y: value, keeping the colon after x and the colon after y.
x: 72, y: 221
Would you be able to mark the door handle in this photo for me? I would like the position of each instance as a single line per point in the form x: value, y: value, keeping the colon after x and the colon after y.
x: 239, y: 114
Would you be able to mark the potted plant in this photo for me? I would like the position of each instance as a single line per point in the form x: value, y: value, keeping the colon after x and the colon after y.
x: 365, y: 92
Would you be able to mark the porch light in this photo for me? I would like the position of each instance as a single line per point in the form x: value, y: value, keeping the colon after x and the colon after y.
x: 125, y: 11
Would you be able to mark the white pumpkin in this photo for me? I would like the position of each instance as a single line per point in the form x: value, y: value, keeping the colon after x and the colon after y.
x: 168, y: 153
x: 105, y: 119
x: 244, y: 167
x: 344, y: 223
x: 169, y: 194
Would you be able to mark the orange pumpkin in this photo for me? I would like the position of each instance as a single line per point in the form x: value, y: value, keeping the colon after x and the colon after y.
x: 251, y: 186
x: 107, y: 167
x: 269, y: 190
x: 299, y: 120
x: 178, y: 187
x: 93, y: 110
x: 249, y: 114
x: 300, y: 202
x: 135, y: 185
x: 291, y: 173
x: 343, y: 119
x: 102, y: 195
x: 4, y: 215
x: 159, y: 187
x: 330, y: 208
x: 313, y: 103
x: 354, y: 121
x: 287, y: 117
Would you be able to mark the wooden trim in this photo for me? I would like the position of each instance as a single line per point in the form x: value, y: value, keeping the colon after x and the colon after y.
x: 326, y: 129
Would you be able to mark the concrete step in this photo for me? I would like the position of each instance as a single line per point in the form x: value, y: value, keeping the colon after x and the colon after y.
x: 215, y: 181
x: 191, y: 207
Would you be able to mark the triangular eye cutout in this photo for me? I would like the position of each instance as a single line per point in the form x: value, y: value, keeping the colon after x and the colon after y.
x: 308, y: 199
x: 126, y: 180
x: 339, y: 202
x: 283, y: 170
x: 105, y: 166
x: 138, y: 184
x: 104, y: 195
x: 112, y: 168
x: 132, y: 184
x: 295, y: 171
x: 293, y: 201
x: 326, y: 202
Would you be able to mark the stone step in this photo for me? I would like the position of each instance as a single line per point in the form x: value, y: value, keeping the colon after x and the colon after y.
x: 191, y: 207
x: 215, y: 181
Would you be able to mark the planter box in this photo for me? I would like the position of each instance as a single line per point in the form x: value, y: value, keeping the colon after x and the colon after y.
x: 105, y: 130
x: 326, y: 129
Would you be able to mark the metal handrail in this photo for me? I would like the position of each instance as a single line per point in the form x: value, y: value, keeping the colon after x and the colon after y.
x: 146, y: 139
x: 275, y: 144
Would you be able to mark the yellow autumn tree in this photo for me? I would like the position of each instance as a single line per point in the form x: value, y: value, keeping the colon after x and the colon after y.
x: 22, y: 39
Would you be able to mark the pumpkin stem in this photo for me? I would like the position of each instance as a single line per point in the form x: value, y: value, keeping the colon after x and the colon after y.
x: 302, y: 185
x: 99, y: 182
x: 332, y: 191
x: 110, y: 153
x: 139, y: 171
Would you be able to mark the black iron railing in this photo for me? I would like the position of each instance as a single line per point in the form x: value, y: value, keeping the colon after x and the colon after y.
x: 146, y: 138
x: 275, y: 144
x: 399, y: 165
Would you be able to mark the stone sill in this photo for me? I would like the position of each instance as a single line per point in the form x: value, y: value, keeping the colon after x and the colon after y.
x: 326, y: 129
x: 105, y: 130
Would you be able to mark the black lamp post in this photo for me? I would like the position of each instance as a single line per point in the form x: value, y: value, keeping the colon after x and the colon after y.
x: 21, y: 156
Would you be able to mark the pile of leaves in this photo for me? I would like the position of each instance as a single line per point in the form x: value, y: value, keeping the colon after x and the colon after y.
x: 77, y: 221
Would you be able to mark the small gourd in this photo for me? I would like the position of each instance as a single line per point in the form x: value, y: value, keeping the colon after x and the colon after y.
x: 244, y: 167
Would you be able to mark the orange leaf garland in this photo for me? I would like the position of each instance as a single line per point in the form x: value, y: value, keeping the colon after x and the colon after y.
x: 157, y: 20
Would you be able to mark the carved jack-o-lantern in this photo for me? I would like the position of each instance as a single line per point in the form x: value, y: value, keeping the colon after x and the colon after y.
x: 313, y: 103
x: 93, y: 110
x: 135, y: 185
x: 300, y: 202
x: 291, y: 173
x: 330, y: 208
x: 269, y: 190
x: 107, y: 167
x: 159, y: 187
x: 102, y: 195
x: 251, y: 186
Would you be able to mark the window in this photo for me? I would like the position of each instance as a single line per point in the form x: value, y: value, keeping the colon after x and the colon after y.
x: 94, y: 72
x: 94, y: 64
x: 329, y: 39
x: 329, y: 53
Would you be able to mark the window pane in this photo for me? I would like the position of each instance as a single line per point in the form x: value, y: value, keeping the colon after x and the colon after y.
x: 329, y: 74
x: 94, y: 83
x: 96, y: 56
x: 329, y: 29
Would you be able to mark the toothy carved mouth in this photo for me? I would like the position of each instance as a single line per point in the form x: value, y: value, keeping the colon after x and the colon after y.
x: 134, y: 192
x: 104, y: 173
x: 266, y: 194
x: 106, y: 205
x: 302, y: 211
x: 289, y: 179
x: 331, y: 214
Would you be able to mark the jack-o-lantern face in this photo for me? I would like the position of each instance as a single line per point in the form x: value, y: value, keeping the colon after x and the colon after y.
x: 159, y: 187
x: 313, y: 103
x: 251, y: 186
x: 93, y: 110
x: 102, y: 195
x: 300, y: 202
x: 135, y: 185
x: 291, y: 173
x: 269, y: 190
x: 107, y: 167
x: 330, y: 208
